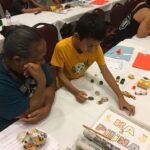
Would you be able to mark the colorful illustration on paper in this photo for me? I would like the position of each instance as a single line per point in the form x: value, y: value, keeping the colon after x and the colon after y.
x: 122, y: 133
x: 120, y: 52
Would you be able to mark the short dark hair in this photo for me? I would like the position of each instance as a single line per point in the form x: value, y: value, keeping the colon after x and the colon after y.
x: 148, y: 2
x: 19, y: 41
x: 91, y: 25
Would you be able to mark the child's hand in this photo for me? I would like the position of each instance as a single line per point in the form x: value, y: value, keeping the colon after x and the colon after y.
x: 123, y: 104
x: 35, y: 71
x: 81, y: 96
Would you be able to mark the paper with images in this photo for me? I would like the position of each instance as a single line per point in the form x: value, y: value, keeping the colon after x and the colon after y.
x: 8, y: 139
x: 122, y: 133
x: 142, y: 61
x: 99, y: 2
x: 120, y: 52
x: 115, y: 64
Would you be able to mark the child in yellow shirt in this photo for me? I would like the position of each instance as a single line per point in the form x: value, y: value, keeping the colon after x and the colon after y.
x: 72, y: 57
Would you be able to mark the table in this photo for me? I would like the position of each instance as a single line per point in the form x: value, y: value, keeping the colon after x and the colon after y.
x: 57, y: 19
x: 67, y: 115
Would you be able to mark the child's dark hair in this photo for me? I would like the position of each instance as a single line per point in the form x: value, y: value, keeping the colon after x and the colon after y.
x: 91, y: 25
x: 148, y: 2
x: 19, y: 41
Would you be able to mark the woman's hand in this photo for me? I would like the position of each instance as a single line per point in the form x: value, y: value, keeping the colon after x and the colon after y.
x: 35, y: 71
x: 37, y: 115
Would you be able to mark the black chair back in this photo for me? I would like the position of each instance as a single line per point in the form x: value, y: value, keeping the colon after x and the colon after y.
x: 117, y: 15
x: 100, y: 12
x: 50, y: 34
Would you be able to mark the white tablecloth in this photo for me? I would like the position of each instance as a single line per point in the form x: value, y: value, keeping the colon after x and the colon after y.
x: 67, y: 116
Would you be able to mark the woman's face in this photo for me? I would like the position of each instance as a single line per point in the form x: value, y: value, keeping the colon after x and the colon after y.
x: 39, y: 51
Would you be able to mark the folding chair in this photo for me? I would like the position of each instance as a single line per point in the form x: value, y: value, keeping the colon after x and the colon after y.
x: 117, y: 15
x: 50, y: 34
x: 100, y: 12
x: 67, y: 29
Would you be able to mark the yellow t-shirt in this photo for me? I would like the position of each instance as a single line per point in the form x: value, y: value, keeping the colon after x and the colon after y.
x: 75, y: 64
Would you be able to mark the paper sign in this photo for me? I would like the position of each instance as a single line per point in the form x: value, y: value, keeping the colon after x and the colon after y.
x: 99, y: 2
x: 142, y: 61
x: 120, y: 52
x: 122, y: 133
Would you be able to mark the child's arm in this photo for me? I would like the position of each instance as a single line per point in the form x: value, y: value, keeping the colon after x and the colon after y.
x: 123, y: 104
x: 42, y: 7
x: 31, y: 10
x: 37, y: 8
x: 81, y: 96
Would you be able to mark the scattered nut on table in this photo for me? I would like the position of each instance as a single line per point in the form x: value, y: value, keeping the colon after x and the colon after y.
x: 131, y: 76
x: 104, y: 99
x: 117, y: 78
x: 97, y: 93
x: 100, y: 82
x: 91, y: 98
x: 92, y: 80
x: 95, y: 75
x: 100, y: 102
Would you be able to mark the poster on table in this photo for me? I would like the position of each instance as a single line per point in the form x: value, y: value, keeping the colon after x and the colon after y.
x: 122, y: 132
